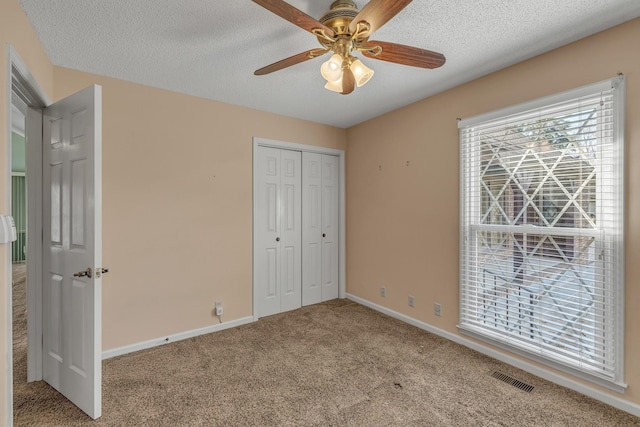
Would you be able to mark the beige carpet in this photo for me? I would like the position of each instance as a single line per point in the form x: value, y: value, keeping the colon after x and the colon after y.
x: 331, y: 364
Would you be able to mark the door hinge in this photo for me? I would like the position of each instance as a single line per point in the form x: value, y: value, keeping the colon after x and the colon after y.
x: 100, y: 271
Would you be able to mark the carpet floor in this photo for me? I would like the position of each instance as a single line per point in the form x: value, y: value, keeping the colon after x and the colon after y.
x: 332, y: 364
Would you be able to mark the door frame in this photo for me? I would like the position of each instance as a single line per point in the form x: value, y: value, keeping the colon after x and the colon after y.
x: 20, y: 80
x: 264, y: 142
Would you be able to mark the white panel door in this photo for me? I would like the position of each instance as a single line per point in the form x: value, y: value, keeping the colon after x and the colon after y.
x: 320, y: 216
x: 312, y: 228
x: 290, y: 230
x: 277, y: 240
x: 72, y: 334
x: 330, y: 226
x: 267, y: 229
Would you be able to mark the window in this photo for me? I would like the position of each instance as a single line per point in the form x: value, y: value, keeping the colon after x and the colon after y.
x: 541, y: 265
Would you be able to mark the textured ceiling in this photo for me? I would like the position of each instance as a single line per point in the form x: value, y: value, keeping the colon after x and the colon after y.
x: 211, y: 48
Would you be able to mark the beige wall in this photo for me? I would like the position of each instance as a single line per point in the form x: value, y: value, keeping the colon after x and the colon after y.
x: 402, y: 221
x: 15, y: 30
x: 177, y: 190
x: 177, y: 204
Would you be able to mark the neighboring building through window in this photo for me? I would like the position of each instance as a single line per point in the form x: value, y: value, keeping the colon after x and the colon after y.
x: 541, y: 230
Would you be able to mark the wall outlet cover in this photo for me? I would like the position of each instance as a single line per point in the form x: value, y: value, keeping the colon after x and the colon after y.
x: 437, y: 309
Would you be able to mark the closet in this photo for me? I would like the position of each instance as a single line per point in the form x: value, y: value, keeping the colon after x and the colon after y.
x: 296, y: 229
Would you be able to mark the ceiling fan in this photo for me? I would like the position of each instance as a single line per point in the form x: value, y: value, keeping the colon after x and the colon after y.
x: 344, y: 29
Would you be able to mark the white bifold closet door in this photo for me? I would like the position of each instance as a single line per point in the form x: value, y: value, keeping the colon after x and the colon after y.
x: 320, y: 227
x: 278, y: 238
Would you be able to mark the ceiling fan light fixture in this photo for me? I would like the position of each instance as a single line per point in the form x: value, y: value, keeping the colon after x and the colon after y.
x: 335, y: 86
x: 361, y: 72
x: 344, y: 29
x: 331, y: 70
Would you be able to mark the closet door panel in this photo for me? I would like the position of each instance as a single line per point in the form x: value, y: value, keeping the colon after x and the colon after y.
x: 312, y: 228
x: 267, y: 248
x: 291, y: 230
x: 296, y: 239
x: 330, y: 226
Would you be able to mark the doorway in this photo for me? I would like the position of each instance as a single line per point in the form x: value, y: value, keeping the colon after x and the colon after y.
x: 25, y: 102
x: 262, y: 304
x: 63, y: 213
x: 19, y: 247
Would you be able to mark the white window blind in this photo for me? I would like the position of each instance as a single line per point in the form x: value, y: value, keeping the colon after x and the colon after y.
x: 542, y: 230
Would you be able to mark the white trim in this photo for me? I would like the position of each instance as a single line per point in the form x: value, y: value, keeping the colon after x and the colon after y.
x: 16, y: 61
x: 35, y: 224
x: 9, y: 272
x: 546, y: 374
x: 342, y: 267
x: 254, y: 204
x: 18, y: 116
x: 618, y: 387
x: 34, y: 216
x: 620, y: 142
x: 34, y: 244
x: 538, y: 103
x: 119, y: 351
x: 263, y: 142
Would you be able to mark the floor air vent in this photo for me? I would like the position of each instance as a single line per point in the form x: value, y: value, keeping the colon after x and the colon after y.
x: 514, y: 382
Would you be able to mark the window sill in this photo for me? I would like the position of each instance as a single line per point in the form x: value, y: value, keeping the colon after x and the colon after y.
x: 619, y: 387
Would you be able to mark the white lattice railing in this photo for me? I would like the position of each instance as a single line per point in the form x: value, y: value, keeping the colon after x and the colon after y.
x: 558, y: 310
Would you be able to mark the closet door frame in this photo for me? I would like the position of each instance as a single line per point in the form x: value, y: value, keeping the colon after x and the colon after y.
x: 263, y: 142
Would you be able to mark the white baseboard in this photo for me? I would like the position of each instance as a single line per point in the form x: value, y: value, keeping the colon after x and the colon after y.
x: 175, y: 337
x: 607, y: 398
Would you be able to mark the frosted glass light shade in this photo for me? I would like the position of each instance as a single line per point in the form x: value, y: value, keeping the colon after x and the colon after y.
x: 361, y: 72
x: 335, y: 86
x: 331, y: 70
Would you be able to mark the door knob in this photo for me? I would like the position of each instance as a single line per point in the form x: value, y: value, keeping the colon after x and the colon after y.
x: 324, y: 235
x: 277, y: 239
x: 86, y: 273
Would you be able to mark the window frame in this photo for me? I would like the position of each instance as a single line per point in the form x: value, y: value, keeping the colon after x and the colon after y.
x: 469, y: 178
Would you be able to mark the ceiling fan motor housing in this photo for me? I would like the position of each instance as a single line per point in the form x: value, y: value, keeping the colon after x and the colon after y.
x: 340, y: 16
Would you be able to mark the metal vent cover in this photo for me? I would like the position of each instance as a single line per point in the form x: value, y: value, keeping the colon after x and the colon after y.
x: 512, y: 381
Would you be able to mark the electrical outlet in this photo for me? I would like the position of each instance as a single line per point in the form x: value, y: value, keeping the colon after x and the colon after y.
x: 383, y: 292
x: 437, y: 309
x: 412, y: 301
x: 218, y: 308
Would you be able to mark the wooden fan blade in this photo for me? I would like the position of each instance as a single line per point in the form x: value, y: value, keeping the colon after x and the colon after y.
x: 377, y: 13
x: 402, y: 54
x: 293, y: 60
x: 348, y: 82
x: 293, y: 15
